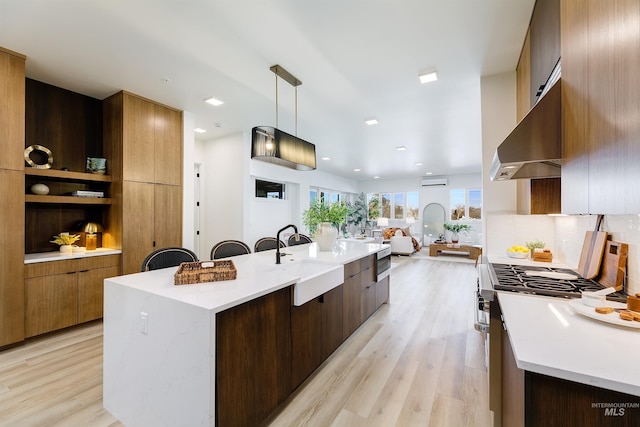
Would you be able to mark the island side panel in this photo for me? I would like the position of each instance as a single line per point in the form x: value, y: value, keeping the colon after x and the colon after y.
x: 162, y: 377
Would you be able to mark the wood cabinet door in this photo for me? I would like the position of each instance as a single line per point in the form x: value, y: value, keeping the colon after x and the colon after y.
x: 12, y: 110
x: 545, y: 44
x: 306, y: 340
x: 167, y: 215
x: 51, y: 303
x: 11, y: 257
x: 523, y: 80
x: 168, y: 145
x: 351, y: 316
x: 332, y: 312
x: 368, y: 302
x: 138, y: 150
x: 575, y: 151
x: 137, y: 224
x: 253, y: 359
x: 91, y: 291
x: 382, y: 291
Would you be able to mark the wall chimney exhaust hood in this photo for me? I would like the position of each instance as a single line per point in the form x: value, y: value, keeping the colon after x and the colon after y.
x: 534, y: 148
x: 272, y: 145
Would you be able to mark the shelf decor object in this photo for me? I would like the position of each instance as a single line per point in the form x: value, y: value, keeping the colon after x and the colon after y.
x: 40, y: 189
x: 96, y: 165
x: 38, y: 156
x: 65, y: 240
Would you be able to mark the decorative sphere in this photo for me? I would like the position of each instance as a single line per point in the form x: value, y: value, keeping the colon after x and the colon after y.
x: 40, y: 189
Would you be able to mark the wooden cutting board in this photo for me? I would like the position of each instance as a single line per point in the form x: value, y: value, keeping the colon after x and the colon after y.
x: 614, y: 264
x: 591, y: 255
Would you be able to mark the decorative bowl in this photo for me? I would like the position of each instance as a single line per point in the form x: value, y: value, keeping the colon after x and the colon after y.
x: 519, y: 255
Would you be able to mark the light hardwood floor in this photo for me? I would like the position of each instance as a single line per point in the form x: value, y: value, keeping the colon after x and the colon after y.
x: 416, y: 362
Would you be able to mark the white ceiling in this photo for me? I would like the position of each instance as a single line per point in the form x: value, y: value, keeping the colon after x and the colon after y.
x: 356, y: 58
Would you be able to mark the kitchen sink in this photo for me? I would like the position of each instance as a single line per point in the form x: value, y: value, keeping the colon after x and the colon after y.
x: 314, y: 278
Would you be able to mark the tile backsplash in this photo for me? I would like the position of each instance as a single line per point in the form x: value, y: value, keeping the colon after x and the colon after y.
x: 564, y: 236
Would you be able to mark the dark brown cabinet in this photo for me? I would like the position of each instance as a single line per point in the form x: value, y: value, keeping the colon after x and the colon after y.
x: 253, y: 359
x: 600, y: 63
x: 316, y: 331
x: 544, y: 32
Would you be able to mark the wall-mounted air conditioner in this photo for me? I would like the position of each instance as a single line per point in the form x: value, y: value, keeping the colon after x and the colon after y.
x: 433, y: 182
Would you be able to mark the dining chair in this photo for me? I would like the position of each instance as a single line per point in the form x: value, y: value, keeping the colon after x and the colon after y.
x: 267, y: 243
x: 167, y: 257
x: 303, y: 239
x: 228, y: 248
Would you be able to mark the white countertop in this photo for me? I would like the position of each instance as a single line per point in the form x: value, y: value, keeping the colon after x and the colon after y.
x: 504, y: 259
x: 257, y: 275
x: 57, y: 256
x: 549, y: 338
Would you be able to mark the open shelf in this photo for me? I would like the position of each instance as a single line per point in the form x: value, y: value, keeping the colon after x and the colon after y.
x: 67, y: 175
x: 70, y: 200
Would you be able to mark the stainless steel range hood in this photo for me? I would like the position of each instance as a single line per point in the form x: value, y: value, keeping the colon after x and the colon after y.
x: 534, y: 148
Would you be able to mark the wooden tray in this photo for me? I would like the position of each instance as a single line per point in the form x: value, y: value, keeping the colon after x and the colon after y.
x: 190, y: 273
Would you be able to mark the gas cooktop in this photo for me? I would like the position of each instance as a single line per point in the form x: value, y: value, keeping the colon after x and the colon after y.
x: 507, y: 277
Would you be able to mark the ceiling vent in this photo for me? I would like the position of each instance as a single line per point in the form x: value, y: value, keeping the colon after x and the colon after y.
x: 437, y: 182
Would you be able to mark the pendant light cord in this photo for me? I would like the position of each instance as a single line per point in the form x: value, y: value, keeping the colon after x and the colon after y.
x: 276, y: 100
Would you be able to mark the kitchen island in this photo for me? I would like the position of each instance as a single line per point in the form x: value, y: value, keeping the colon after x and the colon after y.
x: 168, y: 350
x: 561, y: 365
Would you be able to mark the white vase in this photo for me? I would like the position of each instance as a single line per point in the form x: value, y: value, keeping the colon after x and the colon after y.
x: 66, y: 249
x: 326, y: 236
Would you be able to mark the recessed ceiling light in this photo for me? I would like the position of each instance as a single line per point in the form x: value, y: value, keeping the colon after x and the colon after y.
x: 429, y: 76
x: 199, y: 130
x: 371, y: 121
x: 376, y: 177
x: 213, y: 101
x: 429, y: 173
x: 418, y: 163
x: 326, y: 158
x: 356, y: 170
x: 401, y: 148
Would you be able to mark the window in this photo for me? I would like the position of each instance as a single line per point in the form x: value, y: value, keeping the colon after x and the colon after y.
x: 385, y: 208
x: 465, y: 204
x: 373, y: 203
x: 413, y: 204
x: 269, y: 190
x: 398, y: 206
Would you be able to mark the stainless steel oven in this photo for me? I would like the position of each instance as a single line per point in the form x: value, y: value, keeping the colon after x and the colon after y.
x: 383, y: 263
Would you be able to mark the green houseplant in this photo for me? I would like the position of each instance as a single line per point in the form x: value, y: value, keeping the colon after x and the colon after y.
x: 319, y: 212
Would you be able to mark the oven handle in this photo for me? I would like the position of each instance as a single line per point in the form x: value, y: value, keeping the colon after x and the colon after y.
x: 479, y: 325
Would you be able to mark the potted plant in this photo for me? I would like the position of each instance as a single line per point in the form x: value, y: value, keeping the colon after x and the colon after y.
x: 455, y: 229
x: 323, y: 221
x: 65, y: 240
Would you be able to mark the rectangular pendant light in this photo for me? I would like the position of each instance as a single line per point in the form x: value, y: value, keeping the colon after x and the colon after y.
x: 275, y: 146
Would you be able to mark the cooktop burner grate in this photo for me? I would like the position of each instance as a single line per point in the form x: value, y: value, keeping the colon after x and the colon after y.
x: 507, y: 277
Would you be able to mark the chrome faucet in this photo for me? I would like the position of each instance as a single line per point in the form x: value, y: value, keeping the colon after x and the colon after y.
x: 297, y: 236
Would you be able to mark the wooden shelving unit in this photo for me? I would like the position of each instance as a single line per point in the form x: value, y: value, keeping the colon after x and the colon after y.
x: 68, y: 200
x: 67, y: 175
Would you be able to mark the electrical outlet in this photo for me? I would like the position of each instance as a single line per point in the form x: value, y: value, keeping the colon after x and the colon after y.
x: 144, y: 323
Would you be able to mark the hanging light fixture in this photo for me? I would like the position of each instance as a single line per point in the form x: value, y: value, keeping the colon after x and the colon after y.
x: 272, y: 145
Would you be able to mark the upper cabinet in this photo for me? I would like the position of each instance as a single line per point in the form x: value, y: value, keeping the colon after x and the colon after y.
x: 153, y: 136
x: 601, y: 125
x: 544, y: 36
x: 12, y: 93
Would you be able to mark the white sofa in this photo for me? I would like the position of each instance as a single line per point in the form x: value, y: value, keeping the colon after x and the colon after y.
x: 403, y: 245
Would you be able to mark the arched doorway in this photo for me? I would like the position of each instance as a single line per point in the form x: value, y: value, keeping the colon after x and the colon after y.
x: 433, y: 217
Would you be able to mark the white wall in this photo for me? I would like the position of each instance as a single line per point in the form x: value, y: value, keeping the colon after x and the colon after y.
x: 439, y: 194
x: 498, y: 120
x: 229, y: 209
x: 222, y: 191
x: 188, y: 196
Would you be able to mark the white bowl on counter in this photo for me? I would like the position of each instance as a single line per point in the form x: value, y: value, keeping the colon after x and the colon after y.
x: 519, y: 255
